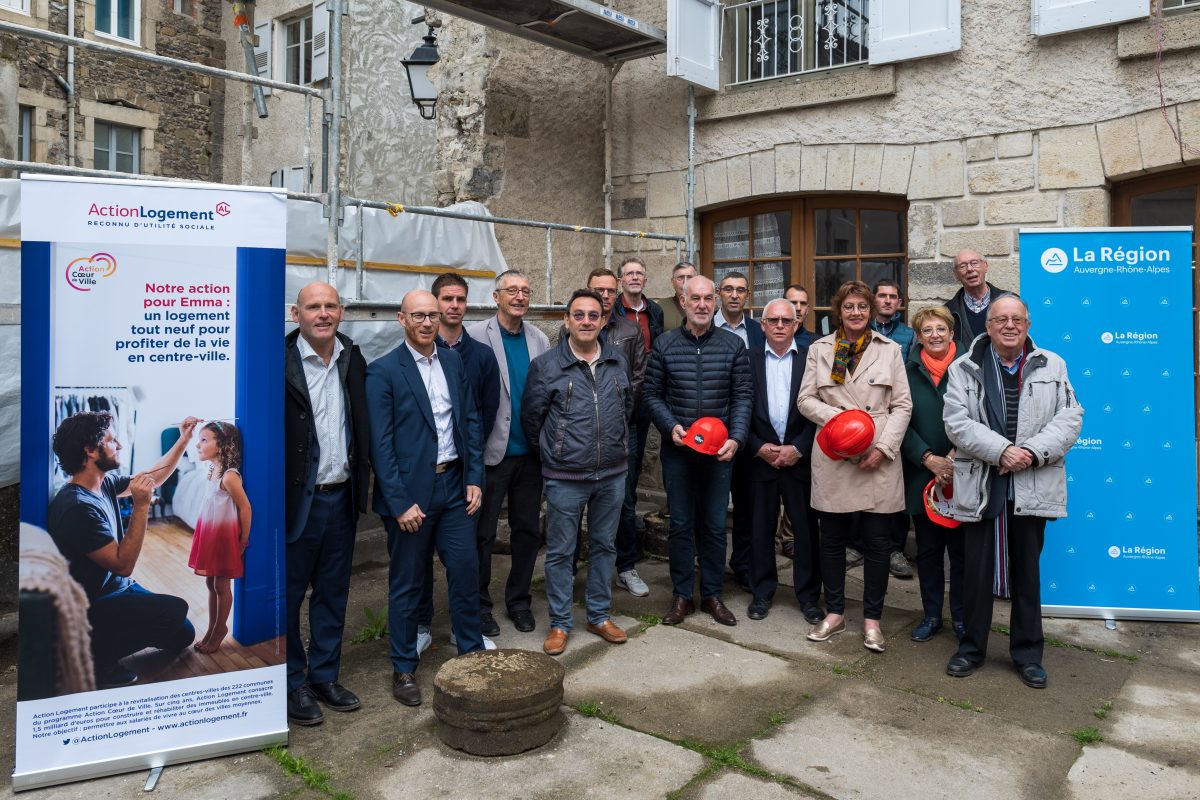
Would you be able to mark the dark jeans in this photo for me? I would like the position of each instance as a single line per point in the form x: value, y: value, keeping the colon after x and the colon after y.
x: 447, y: 528
x: 134, y: 619
x: 876, y: 533
x: 321, y: 558
x: 899, y: 531
x: 519, y: 478
x: 933, y: 542
x: 627, y: 554
x: 793, y: 493
x: 1026, y: 535
x: 697, y: 499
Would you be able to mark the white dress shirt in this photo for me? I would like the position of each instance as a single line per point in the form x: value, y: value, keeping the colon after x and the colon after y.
x: 740, y: 329
x: 329, y: 411
x: 779, y: 388
x: 438, y: 390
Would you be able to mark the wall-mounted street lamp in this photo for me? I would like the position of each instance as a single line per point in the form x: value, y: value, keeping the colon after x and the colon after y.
x: 424, y: 93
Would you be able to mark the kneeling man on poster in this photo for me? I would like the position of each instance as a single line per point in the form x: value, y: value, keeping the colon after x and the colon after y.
x: 85, y: 522
x: 1013, y: 415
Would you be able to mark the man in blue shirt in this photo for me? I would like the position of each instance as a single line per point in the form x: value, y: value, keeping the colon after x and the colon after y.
x: 513, y: 470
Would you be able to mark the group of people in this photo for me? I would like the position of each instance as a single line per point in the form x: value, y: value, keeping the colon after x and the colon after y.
x: 971, y: 422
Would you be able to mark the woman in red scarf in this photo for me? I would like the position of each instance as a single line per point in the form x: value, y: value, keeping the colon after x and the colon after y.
x: 928, y: 455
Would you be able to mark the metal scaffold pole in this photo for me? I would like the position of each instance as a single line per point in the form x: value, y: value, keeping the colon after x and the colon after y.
x: 333, y: 156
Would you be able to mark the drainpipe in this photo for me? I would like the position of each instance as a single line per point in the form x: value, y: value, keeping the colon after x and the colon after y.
x: 333, y: 110
x: 691, y: 174
x: 244, y: 34
x: 613, y: 69
x: 70, y: 86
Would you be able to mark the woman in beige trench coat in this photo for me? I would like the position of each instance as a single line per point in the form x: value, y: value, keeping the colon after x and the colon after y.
x: 854, y: 367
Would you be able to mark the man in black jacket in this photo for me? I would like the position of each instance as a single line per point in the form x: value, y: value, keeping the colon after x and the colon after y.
x: 969, y: 306
x: 698, y: 371
x: 326, y: 475
x: 575, y: 411
x: 780, y: 446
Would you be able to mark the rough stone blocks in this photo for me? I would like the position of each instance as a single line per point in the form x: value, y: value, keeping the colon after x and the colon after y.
x: 1021, y: 208
x: 937, y: 171
x: 1069, y: 158
x: 960, y: 212
x: 988, y: 242
x: 1119, y: 147
x: 1000, y: 176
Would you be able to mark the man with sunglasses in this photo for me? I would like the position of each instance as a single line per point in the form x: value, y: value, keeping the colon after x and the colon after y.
x: 575, y: 411
x: 969, y: 306
x: 512, y: 467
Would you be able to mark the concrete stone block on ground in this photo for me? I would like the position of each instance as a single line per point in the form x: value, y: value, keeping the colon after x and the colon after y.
x: 589, y: 759
x: 686, y: 685
x: 1108, y: 772
x: 743, y: 787
x: 1069, y: 157
x: 1156, y: 715
x: 867, y: 741
x: 1171, y: 645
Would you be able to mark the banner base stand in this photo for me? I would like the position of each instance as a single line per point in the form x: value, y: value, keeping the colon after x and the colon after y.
x: 152, y: 779
x: 1111, y: 615
x: 155, y: 761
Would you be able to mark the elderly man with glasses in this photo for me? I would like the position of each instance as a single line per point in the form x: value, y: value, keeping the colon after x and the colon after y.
x: 970, y: 303
x: 512, y: 467
x: 1012, y: 416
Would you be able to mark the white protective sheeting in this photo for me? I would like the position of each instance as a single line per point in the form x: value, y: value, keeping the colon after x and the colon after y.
x: 400, y: 245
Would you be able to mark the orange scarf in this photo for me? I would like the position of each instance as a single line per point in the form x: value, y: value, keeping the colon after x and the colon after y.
x: 937, y: 366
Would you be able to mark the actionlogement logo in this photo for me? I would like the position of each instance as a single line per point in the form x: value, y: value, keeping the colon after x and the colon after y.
x: 113, y: 215
x: 85, y: 273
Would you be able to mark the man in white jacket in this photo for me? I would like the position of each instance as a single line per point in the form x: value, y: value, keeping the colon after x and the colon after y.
x: 1012, y: 415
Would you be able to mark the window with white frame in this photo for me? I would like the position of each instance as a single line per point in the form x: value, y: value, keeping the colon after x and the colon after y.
x: 298, y: 50
x: 24, y: 133
x: 1175, y: 5
x: 117, y: 147
x: 773, y: 38
x: 118, y: 18
x: 15, y: 5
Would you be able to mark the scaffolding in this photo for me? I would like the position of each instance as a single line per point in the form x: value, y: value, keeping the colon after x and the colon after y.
x: 332, y: 200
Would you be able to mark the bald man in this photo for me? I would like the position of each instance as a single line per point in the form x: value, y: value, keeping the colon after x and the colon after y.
x: 326, y: 473
x: 427, y: 450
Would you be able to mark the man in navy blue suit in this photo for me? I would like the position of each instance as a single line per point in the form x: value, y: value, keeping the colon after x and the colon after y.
x: 427, y: 450
x: 734, y: 292
x: 326, y: 473
x: 780, y: 445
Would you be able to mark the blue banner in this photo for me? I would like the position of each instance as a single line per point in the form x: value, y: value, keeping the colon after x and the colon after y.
x: 1117, y: 305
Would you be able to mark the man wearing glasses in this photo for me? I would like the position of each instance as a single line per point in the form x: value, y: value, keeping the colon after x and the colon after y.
x: 575, y: 412
x: 734, y: 295
x: 426, y: 448
x: 969, y: 306
x: 1012, y: 415
x: 512, y: 468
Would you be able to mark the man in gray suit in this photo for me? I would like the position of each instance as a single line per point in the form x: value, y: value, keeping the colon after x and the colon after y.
x: 513, y: 470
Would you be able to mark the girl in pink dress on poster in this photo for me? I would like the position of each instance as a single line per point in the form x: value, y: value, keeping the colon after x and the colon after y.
x: 223, y: 527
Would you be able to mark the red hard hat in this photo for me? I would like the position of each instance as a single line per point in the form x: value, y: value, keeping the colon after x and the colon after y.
x: 847, y: 435
x: 937, y: 504
x: 706, y: 435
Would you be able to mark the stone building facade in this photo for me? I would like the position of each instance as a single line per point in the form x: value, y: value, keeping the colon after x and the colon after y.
x: 173, y: 117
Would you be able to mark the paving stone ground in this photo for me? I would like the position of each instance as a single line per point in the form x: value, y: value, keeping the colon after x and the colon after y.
x: 753, y: 711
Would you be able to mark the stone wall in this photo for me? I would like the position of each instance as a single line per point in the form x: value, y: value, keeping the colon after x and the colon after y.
x: 184, y: 141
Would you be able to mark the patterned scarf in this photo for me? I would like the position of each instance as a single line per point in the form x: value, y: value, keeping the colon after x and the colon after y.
x: 846, y: 355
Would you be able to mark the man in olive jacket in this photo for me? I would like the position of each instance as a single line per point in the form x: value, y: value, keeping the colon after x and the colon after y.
x: 575, y: 412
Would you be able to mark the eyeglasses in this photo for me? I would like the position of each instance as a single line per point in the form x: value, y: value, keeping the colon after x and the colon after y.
x: 778, y: 320
x: 513, y: 291
x: 974, y: 263
x: 633, y: 273
x: 580, y: 316
x: 421, y: 316
x: 734, y: 290
x: 847, y: 307
x: 1002, y: 321
x: 604, y: 292
x: 942, y: 329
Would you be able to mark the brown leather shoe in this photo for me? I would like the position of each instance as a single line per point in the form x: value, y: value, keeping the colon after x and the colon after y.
x: 405, y: 689
x: 720, y: 613
x: 680, y: 608
x: 556, y: 641
x: 608, y: 631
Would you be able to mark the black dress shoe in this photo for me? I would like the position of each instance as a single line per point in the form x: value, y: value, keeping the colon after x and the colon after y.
x: 788, y: 549
x: 680, y: 608
x: 926, y: 630
x: 742, y: 579
x: 1032, y: 675
x: 336, y: 696
x: 717, y: 609
x: 759, y: 608
x: 488, y: 625
x: 302, y: 707
x: 522, y: 620
x: 405, y: 689
x: 813, y: 614
x: 960, y: 667
x: 960, y: 630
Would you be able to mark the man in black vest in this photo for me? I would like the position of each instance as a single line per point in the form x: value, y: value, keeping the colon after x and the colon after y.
x: 326, y: 473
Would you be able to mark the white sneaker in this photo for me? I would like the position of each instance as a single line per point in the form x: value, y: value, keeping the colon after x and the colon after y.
x: 424, y: 639
x: 488, y: 644
x: 633, y: 582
